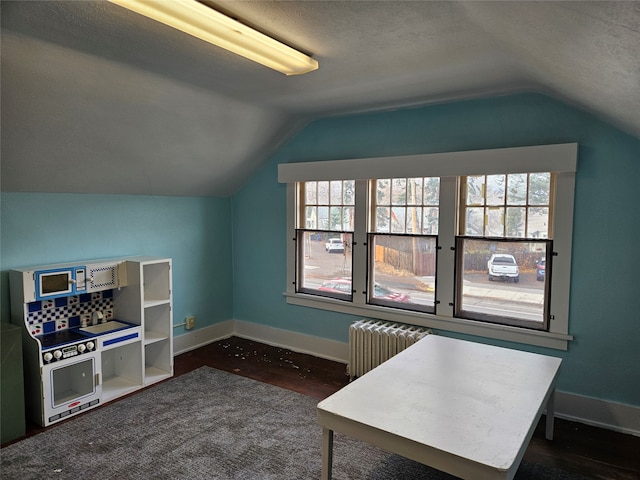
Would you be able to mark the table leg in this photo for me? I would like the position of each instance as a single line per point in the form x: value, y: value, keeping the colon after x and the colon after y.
x: 550, y: 415
x: 327, y: 453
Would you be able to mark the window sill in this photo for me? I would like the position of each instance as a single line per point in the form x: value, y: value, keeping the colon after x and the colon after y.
x: 554, y: 340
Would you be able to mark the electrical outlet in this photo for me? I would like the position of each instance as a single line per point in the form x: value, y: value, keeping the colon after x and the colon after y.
x: 190, y: 322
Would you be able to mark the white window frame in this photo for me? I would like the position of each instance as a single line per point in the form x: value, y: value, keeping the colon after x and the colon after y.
x: 560, y: 158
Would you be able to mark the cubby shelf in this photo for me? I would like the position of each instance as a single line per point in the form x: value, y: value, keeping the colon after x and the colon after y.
x: 152, y: 337
x: 154, y: 303
x: 115, y: 387
x: 151, y: 308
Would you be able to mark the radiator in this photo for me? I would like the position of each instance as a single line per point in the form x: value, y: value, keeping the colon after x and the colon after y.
x: 372, y: 342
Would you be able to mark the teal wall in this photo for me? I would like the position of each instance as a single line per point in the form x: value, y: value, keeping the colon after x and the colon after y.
x: 603, y: 360
x: 42, y: 228
x: 229, y: 254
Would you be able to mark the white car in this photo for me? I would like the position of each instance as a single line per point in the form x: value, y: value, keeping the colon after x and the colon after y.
x: 503, y: 265
x: 334, y: 245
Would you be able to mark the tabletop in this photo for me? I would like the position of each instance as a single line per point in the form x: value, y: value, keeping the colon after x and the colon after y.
x: 470, y: 400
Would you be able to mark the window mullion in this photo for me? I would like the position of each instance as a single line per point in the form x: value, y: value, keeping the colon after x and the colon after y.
x: 359, y: 252
x: 293, y: 210
x: 446, y: 242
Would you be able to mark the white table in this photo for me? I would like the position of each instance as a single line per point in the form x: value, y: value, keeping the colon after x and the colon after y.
x: 461, y: 407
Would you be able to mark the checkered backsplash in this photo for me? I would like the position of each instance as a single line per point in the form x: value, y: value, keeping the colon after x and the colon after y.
x: 55, y: 314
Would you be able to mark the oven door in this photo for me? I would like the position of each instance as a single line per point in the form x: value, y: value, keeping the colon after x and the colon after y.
x: 71, y: 386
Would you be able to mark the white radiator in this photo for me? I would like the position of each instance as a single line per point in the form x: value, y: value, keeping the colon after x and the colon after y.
x: 372, y: 342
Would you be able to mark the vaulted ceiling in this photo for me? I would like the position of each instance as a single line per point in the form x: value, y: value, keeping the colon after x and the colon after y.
x: 99, y: 99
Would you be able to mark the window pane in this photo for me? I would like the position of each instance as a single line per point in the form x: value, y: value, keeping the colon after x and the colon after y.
x: 336, y: 192
x: 430, y: 220
x: 335, y: 218
x: 397, y: 219
x: 399, y: 191
x: 539, y: 188
x: 414, y: 187
x: 475, y: 221
x: 402, y: 271
x: 514, y: 221
x: 495, y: 222
x: 414, y: 217
x: 475, y: 190
x: 383, y: 191
x: 311, y: 191
x: 500, y: 282
x: 323, y: 193
x: 383, y: 219
x: 349, y: 192
x: 495, y: 189
x: 323, y: 218
x: 311, y: 217
x: 347, y: 218
x: 517, y: 189
x: 324, y: 263
x: 538, y: 222
x: 431, y: 191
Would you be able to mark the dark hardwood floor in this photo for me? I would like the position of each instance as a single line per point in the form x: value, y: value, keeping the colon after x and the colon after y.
x: 593, y: 452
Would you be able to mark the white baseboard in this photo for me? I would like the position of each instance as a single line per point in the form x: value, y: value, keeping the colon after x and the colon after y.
x: 201, y: 337
x: 569, y: 406
x: 598, y: 413
x: 298, y: 342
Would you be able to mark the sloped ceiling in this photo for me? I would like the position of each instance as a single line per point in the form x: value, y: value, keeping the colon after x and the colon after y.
x: 99, y: 99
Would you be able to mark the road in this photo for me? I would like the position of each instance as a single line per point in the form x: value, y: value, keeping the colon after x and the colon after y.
x: 524, y: 299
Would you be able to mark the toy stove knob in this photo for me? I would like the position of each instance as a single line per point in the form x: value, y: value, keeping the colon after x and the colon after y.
x: 81, y: 348
x: 90, y: 346
x: 47, y: 357
x: 57, y: 354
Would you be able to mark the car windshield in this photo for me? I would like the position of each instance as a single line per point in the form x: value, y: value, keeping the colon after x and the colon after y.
x: 508, y: 260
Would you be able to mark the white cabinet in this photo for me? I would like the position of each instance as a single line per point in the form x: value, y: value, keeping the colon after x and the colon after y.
x: 147, y: 301
x: 121, y: 363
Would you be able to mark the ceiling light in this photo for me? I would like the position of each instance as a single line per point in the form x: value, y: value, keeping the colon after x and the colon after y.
x: 211, y: 26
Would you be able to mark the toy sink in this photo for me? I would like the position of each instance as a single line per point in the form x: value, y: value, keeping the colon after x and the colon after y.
x: 105, y: 327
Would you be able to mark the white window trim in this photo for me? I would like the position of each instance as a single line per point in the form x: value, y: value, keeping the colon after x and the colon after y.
x: 561, y: 158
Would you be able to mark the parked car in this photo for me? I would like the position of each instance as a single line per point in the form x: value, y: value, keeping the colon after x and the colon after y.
x: 384, y: 293
x: 540, y: 269
x: 334, y: 245
x: 338, y: 285
x: 504, y: 266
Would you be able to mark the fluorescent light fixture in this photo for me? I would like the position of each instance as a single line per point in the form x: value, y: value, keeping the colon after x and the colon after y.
x: 211, y: 26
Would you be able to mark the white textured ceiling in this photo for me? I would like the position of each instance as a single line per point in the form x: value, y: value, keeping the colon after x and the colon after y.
x: 99, y: 99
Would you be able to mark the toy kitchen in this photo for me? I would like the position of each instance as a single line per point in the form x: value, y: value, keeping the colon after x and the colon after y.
x: 92, y: 332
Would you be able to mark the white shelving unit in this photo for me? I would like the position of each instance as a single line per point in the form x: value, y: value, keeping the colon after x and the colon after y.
x: 147, y: 301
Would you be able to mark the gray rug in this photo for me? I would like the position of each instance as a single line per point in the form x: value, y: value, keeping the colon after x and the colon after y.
x: 209, y: 424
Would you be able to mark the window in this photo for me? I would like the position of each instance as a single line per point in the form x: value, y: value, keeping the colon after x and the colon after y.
x: 402, y: 242
x: 325, y: 237
x: 494, y: 208
x: 429, y: 239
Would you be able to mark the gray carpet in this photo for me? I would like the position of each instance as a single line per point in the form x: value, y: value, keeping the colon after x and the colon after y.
x: 209, y: 424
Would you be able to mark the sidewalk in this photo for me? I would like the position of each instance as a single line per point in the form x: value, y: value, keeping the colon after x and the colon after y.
x: 514, y: 295
x: 501, y: 291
